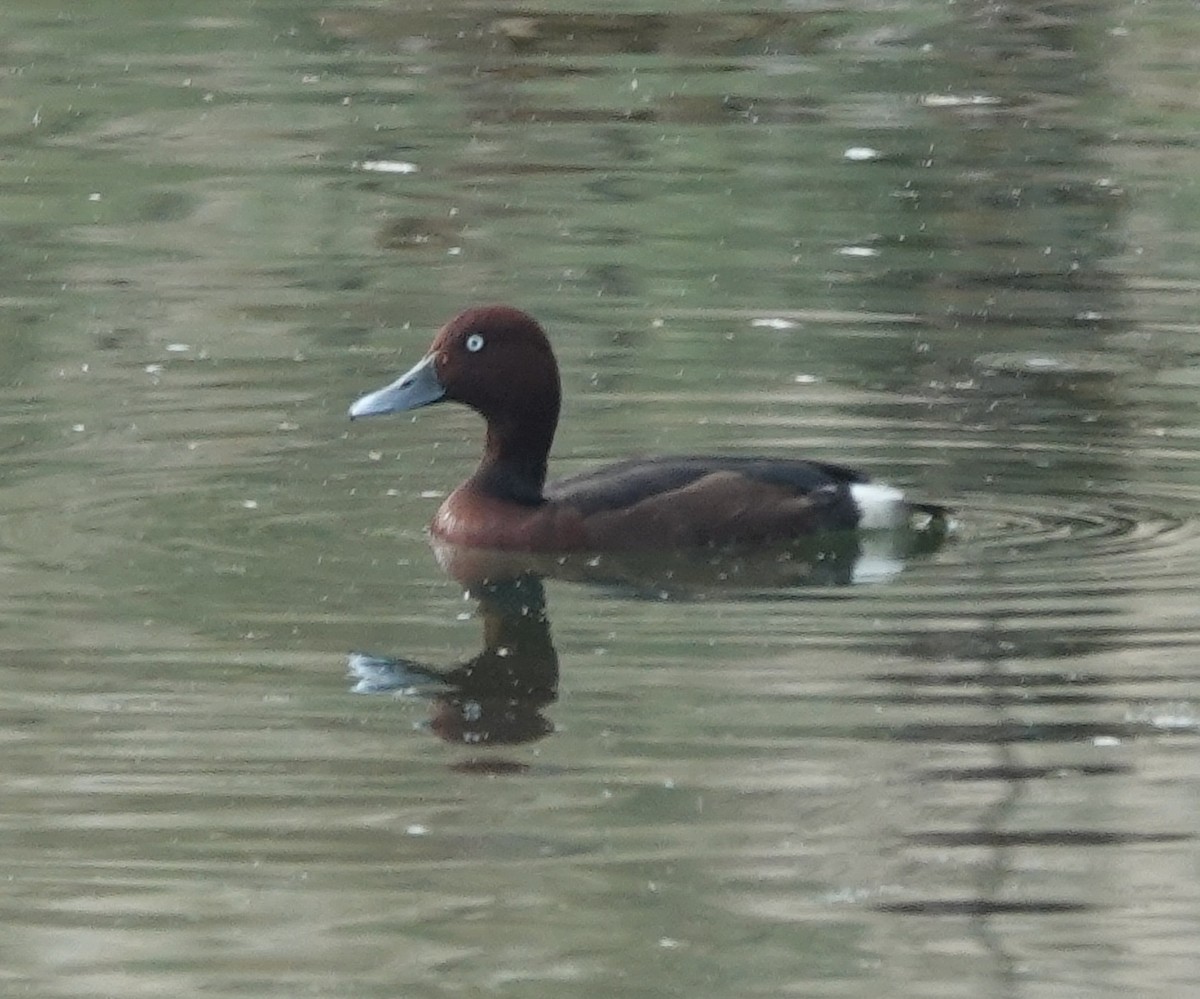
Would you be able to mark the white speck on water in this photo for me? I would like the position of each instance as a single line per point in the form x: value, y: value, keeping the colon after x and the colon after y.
x: 847, y: 896
x: 288, y: 425
x: 774, y: 323
x: 79, y: 428
x: 416, y: 829
x: 1106, y: 741
x: 454, y: 251
x: 668, y: 943
x: 858, y: 251
x: 861, y: 154
x: 250, y: 504
x: 153, y: 369
x: 431, y: 494
x: 94, y: 196
x: 463, y: 616
x: 375, y: 456
x: 178, y: 348
x: 1169, y: 717
x: 388, y: 166
x: 805, y: 379
x: 958, y: 100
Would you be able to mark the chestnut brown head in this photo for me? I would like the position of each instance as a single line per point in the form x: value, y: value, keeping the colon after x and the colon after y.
x: 495, y: 359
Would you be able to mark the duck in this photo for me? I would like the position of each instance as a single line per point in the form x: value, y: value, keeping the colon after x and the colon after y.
x: 498, y: 360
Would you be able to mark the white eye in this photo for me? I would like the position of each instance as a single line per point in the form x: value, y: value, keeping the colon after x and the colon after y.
x: 475, y: 343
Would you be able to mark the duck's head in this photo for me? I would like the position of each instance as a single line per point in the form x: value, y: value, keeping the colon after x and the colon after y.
x: 494, y: 358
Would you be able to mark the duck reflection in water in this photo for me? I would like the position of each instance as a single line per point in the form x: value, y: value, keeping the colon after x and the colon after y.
x: 498, y: 696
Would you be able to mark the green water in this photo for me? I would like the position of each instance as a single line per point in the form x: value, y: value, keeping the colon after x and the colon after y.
x: 954, y: 246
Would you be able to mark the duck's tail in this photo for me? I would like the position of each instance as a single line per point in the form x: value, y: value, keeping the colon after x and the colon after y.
x: 885, y: 508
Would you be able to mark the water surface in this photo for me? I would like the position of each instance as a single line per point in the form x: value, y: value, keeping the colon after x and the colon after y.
x: 951, y: 245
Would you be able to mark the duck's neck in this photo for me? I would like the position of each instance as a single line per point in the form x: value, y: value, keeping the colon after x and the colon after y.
x: 515, y: 456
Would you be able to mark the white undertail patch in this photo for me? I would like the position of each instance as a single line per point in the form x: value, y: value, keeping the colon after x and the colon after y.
x: 880, y: 507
